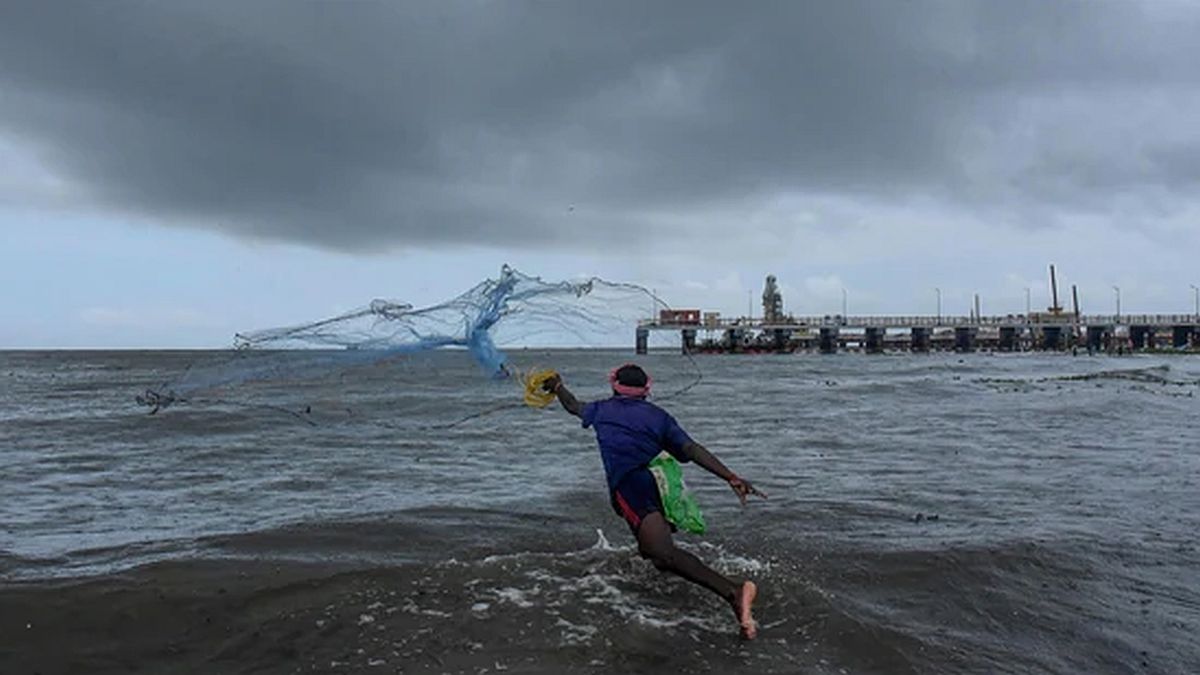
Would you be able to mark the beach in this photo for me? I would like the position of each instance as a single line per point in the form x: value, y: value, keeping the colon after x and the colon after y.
x: 933, y: 513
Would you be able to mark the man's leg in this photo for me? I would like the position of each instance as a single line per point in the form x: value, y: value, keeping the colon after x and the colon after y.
x: 656, y: 545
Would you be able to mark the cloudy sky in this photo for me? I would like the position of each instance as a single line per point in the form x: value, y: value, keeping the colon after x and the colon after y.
x: 172, y: 172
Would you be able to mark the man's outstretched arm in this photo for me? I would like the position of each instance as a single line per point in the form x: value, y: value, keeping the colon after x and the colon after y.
x: 700, y: 455
x: 565, y: 397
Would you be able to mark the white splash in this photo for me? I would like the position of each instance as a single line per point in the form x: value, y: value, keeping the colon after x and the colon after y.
x: 516, y: 596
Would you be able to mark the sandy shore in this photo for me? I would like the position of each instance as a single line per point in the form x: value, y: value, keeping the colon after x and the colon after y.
x: 219, y: 617
x: 261, y: 617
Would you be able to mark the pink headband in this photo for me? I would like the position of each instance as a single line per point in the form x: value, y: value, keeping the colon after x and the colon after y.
x: 624, y: 389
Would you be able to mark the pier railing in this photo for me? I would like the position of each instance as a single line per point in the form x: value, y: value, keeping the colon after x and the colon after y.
x: 928, y: 321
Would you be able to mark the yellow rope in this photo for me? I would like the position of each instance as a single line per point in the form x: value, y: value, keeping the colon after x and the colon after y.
x: 535, y: 395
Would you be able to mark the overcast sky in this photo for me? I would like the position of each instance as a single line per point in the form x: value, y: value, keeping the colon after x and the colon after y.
x: 172, y: 172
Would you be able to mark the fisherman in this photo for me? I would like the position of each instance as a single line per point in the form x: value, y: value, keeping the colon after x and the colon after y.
x: 631, y: 432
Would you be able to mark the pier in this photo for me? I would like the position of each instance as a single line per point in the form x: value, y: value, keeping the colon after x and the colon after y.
x: 876, y: 334
x: 1052, y: 330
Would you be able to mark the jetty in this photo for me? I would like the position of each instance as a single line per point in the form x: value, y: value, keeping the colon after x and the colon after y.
x: 1055, y: 329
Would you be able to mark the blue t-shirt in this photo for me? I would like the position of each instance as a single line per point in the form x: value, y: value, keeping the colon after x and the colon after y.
x: 631, y: 432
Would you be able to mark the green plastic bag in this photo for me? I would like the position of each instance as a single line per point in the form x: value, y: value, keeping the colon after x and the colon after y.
x: 679, y: 507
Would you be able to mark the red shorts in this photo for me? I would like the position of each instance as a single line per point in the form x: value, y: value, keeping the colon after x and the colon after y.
x: 636, y: 497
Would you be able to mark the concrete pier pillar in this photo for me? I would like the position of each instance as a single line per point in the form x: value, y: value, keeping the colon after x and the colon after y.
x: 920, y: 339
x: 1095, y: 337
x: 1181, y: 336
x: 779, y: 339
x: 687, y: 340
x: 873, y: 341
x: 964, y: 338
x: 643, y: 339
x: 744, y: 339
x: 1052, y: 338
x: 827, y: 342
x: 1008, y: 338
x: 1141, y: 337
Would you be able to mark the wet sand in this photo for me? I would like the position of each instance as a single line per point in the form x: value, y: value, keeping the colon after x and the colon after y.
x: 261, y: 617
x: 171, y: 617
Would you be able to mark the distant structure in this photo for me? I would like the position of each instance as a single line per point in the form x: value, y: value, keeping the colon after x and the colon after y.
x: 1055, y: 329
x: 772, y: 302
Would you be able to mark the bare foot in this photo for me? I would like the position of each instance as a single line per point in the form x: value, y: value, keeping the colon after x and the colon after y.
x: 741, y: 608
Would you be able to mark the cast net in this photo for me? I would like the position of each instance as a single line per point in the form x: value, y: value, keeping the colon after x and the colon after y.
x: 463, y: 356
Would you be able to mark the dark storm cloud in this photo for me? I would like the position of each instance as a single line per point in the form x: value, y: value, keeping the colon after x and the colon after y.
x: 359, y: 125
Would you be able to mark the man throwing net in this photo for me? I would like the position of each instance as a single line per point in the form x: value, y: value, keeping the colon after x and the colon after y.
x: 632, y: 434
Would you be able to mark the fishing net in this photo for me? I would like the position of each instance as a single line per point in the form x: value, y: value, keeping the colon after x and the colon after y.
x: 383, y: 361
